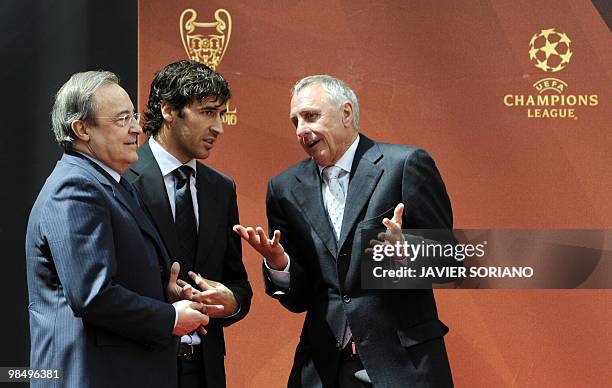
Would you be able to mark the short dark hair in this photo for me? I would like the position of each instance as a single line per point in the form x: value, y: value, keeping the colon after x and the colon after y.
x: 179, y: 84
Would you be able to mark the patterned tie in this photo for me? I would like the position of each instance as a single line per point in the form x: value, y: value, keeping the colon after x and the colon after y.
x: 334, y: 197
x: 184, y: 220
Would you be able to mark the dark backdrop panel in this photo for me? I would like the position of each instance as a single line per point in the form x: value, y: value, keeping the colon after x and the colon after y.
x: 42, y: 44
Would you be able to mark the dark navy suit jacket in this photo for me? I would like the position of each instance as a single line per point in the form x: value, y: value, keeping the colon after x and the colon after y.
x: 96, y: 271
x: 398, y: 334
x: 219, y: 252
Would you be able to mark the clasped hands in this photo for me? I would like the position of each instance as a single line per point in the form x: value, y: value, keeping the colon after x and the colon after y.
x: 196, y: 307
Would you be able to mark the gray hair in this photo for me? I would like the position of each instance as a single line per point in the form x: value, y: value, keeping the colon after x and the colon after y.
x: 74, y: 101
x: 337, y: 92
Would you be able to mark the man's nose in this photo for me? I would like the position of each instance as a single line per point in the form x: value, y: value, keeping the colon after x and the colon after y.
x: 218, y: 125
x: 302, y: 129
x: 135, y: 127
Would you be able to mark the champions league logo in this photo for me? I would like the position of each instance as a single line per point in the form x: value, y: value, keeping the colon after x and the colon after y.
x: 550, y: 51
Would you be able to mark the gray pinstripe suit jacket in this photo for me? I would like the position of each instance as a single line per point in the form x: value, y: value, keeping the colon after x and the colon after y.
x: 96, y: 270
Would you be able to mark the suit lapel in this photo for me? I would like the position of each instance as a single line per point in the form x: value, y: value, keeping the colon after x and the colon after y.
x: 209, y: 215
x: 152, y: 191
x: 308, y: 195
x: 103, y: 177
x: 120, y: 194
x: 133, y: 206
x: 365, y: 174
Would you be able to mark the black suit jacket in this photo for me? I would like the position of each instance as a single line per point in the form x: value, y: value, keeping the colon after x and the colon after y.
x: 219, y: 254
x: 398, y: 334
x: 96, y: 284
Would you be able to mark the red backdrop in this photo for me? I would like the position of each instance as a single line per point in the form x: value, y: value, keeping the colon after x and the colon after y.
x: 431, y: 74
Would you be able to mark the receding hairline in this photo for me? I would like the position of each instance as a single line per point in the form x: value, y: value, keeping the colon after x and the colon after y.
x: 95, y: 98
x: 337, y: 92
x: 330, y: 98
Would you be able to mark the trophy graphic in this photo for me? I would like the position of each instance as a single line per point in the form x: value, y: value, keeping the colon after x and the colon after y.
x: 206, y: 42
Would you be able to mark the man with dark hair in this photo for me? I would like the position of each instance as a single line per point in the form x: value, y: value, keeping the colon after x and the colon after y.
x: 194, y: 206
x: 96, y: 267
x: 317, y: 209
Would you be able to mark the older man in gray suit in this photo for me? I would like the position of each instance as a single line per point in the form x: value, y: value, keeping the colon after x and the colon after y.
x: 352, y: 337
x: 99, y: 278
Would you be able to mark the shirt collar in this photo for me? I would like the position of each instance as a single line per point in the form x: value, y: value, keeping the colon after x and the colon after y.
x: 165, y: 160
x: 346, y: 161
x: 116, y: 176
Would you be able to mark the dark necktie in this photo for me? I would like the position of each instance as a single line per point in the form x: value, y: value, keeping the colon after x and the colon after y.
x: 130, y: 190
x: 184, y: 220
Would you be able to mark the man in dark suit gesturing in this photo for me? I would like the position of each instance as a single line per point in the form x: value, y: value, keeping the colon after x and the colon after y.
x: 98, y: 273
x: 352, y: 337
x: 194, y: 207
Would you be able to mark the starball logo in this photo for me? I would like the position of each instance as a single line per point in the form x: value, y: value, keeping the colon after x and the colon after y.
x: 551, y: 51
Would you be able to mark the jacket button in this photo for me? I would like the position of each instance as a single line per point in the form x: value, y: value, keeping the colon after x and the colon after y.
x: 346, y: 299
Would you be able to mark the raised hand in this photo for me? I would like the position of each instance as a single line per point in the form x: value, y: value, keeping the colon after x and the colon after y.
x: 271, y: 249
x: 393, y: 234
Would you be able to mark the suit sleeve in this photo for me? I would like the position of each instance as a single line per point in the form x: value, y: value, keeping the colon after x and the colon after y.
x: 234, y: 274
x: 297, y: 298
x: 428, y: 207
x: 78, y: 226
x: 424, y: 190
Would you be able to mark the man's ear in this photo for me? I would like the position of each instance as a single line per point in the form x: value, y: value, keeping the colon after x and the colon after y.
x: 167, y: 111
x: 347, y: 114
x: 80, y: 130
